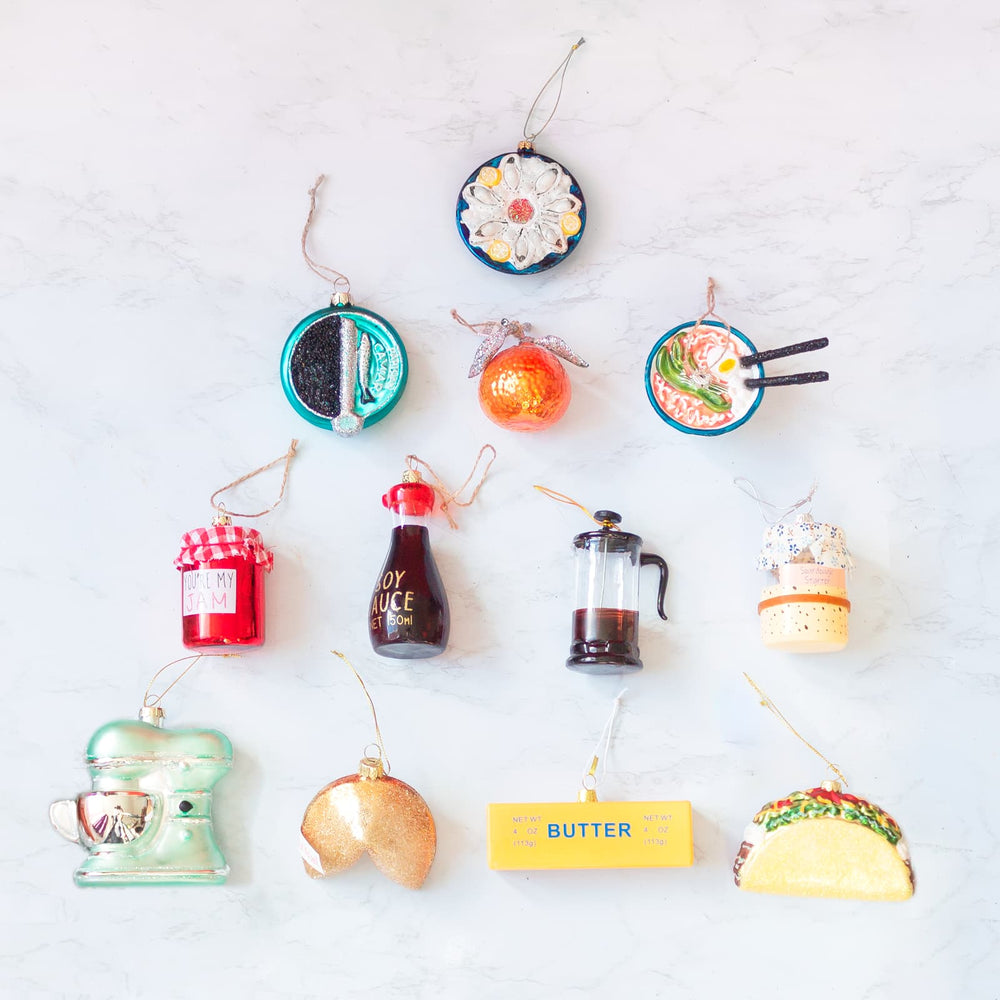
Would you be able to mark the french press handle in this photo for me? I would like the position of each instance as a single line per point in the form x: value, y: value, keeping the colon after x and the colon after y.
x: 648, y: 559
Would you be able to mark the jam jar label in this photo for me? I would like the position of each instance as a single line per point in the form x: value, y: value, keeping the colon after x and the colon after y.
x: 209, y: 592
x: 810, y: 575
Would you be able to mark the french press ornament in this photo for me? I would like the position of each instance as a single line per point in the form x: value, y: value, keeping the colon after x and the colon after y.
x: 606, y: 620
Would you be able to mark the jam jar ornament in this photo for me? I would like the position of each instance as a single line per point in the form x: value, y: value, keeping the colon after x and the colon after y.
x: 147, y: 819
x: 522, y: 212
x: 525, y: 387
x: 706, y: 378
x: 343, y: 368
x: 222, y: 571
x: 823, y: 842
x: 409, y: 616
x: 369, y: 812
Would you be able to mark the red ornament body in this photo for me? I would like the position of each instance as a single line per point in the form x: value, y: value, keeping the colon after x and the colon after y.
x: 222, y: 586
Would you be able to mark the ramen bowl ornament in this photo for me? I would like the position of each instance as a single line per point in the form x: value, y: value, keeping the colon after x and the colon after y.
x: 524, y: 387
x: 521, y: 212
x: 706, y: 377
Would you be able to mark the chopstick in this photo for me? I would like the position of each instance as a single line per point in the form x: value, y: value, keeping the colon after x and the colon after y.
x: 802, y: 378
x: 784, y: 352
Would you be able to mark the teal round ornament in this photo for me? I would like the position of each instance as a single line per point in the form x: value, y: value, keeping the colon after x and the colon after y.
x: 343, y: 368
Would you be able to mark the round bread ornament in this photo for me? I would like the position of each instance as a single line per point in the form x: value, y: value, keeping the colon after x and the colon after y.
x: 521, y: 212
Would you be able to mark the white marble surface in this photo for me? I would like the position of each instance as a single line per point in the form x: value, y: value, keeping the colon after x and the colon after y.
x: 834, y: 165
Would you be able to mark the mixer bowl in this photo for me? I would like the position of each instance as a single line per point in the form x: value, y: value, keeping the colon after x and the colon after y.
x: 103, y: 817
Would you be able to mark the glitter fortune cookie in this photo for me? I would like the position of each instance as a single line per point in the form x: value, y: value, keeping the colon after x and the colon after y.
x: 369, y: 811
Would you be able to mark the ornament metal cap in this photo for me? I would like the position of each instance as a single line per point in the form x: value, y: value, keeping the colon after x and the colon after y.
x: 588, y: 795
x: 152, y: 714
x: 371, y: 768
x: 340, y: 299
x: 830, y: 786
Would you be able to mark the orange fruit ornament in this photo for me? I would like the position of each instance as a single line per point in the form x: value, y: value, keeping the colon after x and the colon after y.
x: 525, y: 387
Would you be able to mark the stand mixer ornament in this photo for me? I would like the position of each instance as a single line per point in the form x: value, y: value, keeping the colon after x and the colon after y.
x: 147, y: 819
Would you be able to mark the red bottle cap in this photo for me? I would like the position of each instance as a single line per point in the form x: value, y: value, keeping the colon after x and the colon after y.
x: 415, y: 499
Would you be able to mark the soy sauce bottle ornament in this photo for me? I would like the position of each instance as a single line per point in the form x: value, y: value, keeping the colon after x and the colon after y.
x: 605, y: 629
x: 343, y: 368
x: 369, y: 812
x: 147, y: 819
x: 524, y: 387
x: 803, y: 606
x: 409, y: 616
x: 706, y: 378
x: 222, y: 573
x: 522, y: 212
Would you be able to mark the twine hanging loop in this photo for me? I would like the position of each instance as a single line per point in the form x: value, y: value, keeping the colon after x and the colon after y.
x: 382, y: 756
x: 448, y: 498
x: 341, y: 284
x: 226, y: 515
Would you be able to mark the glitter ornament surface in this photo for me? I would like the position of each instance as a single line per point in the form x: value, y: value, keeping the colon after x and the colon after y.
x: 343, y: 368
x: 521, y: 212
x: 525, y: 388
x: 372, y: 812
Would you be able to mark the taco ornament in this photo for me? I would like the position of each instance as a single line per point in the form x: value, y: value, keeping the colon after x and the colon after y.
x: 824, y: 842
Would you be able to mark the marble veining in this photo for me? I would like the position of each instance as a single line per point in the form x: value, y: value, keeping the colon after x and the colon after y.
x: 832, y: 165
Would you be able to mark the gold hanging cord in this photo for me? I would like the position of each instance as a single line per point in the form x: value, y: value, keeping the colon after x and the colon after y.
x: 560, y: 71
x: 286, y: 458
x: 589, y: 780
x: 771, y: 707
x: 562, y: 498
x: 147, y: 702
x: 383, y: 757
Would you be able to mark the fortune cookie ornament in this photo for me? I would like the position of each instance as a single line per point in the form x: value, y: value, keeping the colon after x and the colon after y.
x: 369, y: 812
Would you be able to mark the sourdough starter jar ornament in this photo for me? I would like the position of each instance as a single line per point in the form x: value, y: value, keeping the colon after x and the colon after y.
x: 525, y: 387
x: 700, y: 376
x: 343, y: 368
x: 147, y: 819
x: 222, y: 574
x: 409, y: 616
x: 803, y: 607
x: 369, y: 812
x: 521, y: 212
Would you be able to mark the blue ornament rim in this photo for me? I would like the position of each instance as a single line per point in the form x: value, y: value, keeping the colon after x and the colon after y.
x: 709, y: 431
x: 546, y: 262
x: 367, y: 322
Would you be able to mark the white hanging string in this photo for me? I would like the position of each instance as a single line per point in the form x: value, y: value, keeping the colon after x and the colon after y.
x: 603, y: 745
x: 778, y: 513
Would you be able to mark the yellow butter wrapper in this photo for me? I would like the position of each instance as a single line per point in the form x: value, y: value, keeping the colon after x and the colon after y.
x: 552, y: 835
